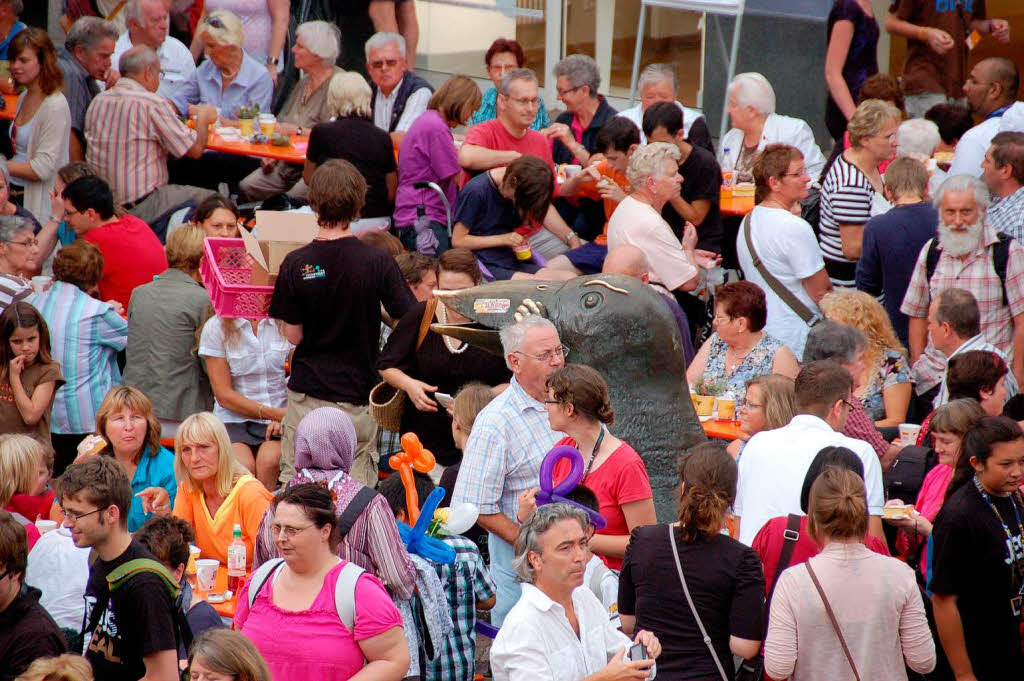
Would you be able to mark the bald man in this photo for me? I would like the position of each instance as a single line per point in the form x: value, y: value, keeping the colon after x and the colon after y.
x: 631, y: 261
x: 991, y: 89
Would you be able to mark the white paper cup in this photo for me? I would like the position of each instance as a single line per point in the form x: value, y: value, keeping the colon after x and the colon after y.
x: 45, y: 526
x: 41, y: 283
x: 206, y: 573
x: 909, y: 433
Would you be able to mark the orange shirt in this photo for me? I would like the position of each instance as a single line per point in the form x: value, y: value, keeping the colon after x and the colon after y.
x: 591, y: 190
x: 245, y: 504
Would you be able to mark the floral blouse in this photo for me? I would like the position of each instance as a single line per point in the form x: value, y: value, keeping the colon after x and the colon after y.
x: 894, y: 369
x: 758, y: 362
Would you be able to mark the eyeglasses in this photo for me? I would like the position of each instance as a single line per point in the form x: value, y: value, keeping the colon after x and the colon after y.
x: 552, y: 402
x: 799, y: 173
x: 560, y: 351
x: 524, y: 101
x: 75, y: 517
x: 289, y: 531
x: 27, y: 243
x: 750, y: 406
x: 215, y: 22
x: 849, y: 405
x: 563, y: 93
x: 381, y: 63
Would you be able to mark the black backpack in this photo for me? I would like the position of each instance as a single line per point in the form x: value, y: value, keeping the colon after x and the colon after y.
x: 1000, y: 257
x: 904, y: 478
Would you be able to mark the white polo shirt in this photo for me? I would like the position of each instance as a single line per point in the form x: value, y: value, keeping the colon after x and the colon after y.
x: 537, y: 643
x: 774, y: 464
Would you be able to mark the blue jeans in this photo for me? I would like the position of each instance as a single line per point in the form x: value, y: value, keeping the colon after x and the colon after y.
x: 508, y: 589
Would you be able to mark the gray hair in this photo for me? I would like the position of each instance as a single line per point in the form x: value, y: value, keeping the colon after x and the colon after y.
x: 515, y: 74
x: 349, y: 94
x: 834, y: 341
x: 5, y: 172
x: 11, y: 225
x: 753, y: 89
x: 657, y: 73
x: 136, y: 60
x: 513, y: 335
x: 383, y: 39
x: 964, y: 183
x: 322, y: 38
x: 133, y: 10
x: 646, y: 160
x: 580, y: 70
x: 536, y: 524
x: 87, y: 32
x: 917, y: 138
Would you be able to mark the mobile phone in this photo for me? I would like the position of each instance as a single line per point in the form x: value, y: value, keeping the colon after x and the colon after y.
x: 444, y: 399
x: 637, y: 651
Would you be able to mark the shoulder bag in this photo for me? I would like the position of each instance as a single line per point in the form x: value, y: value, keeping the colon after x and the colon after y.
x: 750, y: 670
x: 805, y: 313
x: 832, y: 618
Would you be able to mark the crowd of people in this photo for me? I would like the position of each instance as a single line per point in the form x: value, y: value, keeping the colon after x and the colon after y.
x: 866, y: 522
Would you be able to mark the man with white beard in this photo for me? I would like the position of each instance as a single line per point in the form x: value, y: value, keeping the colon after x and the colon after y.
x: 969, y: 255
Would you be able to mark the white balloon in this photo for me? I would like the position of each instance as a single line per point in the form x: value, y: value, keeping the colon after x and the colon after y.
x: 461, y: 517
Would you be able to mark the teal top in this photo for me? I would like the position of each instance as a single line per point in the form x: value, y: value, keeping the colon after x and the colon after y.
x: 152, y: 471
x: 487, y: 111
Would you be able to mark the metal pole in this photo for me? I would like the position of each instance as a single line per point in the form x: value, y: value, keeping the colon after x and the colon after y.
x: 636, y: 52
x: 731, y: 70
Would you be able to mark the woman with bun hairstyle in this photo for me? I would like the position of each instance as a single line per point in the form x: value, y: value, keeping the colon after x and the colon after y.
x: 875, y: 598
x: 723, y: 576
x: 578, y: 405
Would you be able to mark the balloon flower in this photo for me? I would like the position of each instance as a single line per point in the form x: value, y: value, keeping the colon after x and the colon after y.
x: 416, y: 539
x: 413, y: 456
x: 551, y: 493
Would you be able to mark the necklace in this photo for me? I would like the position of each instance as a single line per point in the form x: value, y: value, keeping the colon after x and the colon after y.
x: 738, y: 359
x: 593, y: 454
x: 442, y: 314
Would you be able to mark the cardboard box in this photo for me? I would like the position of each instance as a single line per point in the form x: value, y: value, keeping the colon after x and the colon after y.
x: 278, y: 233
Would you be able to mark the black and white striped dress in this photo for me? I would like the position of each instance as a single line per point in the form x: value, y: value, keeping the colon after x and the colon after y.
x: 846, y: 196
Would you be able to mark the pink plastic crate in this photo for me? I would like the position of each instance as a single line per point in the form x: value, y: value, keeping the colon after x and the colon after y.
x: 227, y: 274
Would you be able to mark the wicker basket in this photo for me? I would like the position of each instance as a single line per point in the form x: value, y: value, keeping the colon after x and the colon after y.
x: 386, y: 406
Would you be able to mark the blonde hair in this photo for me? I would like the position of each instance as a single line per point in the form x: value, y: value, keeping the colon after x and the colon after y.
x: 185, y: 248
x: 349, y: 95
x: 778, y: 396
x: 20, y: 457
x: 230, y: 34
x: 468, y: 402
x: 646, y: 160
x: 861, y: 311
x: 203, y: 427
x: 66, y: 667
x: 838, y: 506
x: 230, y: 653
x: 122, y: 397
x: 869, y: 118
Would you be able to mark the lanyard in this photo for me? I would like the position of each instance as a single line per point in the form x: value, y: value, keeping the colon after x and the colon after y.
x: 1013, y: 504
x: 597, y: 447
x: 1016, y: 566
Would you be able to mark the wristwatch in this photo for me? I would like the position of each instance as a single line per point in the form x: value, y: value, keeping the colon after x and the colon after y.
x: 273, y: 61
x: 569, y: 238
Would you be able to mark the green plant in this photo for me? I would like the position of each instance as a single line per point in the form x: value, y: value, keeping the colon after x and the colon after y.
x: 251, y: 111
x: 710, y: 387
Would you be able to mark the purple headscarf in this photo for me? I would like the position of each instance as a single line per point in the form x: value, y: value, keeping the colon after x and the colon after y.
x: 326, y: 440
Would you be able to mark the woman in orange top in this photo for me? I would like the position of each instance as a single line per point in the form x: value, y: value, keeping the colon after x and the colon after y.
x: 214, y: 490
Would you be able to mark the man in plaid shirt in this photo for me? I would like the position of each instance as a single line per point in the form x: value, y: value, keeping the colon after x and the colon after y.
x: 966, y: 245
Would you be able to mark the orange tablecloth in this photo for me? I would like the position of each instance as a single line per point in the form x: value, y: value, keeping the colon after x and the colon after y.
x: 723, y: 430
x: 227, y: 608
x: 10, y: 107
x: 736, y: 206
x: 296, y: 153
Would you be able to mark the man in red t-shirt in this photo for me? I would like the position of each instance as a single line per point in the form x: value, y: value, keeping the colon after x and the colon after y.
x: 499, y: 141
x: 132, y: 255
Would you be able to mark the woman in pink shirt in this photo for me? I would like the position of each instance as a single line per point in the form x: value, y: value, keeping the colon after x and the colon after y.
x: 878, y: 628
x: 948, y: 426
x: 298, y: 597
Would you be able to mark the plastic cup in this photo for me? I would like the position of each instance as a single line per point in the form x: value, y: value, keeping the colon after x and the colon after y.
x: 909, y: 433
x: 524, y: 252
x: 45, y: 526
x: 726, y: 408
x: 206, y: 573
x: 268, y: 122
x: 247, y: 126
x: 705, y: 404
x: 41, y: 283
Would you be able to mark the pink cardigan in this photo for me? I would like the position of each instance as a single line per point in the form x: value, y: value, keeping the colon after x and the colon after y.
x: 879, y: 608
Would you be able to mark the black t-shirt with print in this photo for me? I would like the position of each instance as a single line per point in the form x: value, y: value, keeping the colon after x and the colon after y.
x: 137, y: 619
x: 702, y: 179
x: 334, y: 289
x: 970, y: 560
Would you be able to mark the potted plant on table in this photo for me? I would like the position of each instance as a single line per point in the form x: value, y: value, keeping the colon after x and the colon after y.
x: 704, y: 393
x: 247, y: 116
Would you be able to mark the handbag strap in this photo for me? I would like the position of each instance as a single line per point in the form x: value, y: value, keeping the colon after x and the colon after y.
x: 790, y: 537
x: 795, y: 304
x: 428, y: 316
x: 832, y: 617
x: 693, y: 608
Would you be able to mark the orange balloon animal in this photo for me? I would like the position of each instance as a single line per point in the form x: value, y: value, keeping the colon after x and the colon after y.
x: 412, y: 456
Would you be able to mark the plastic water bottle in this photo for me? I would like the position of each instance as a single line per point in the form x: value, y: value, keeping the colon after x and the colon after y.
x: 236, y: 560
